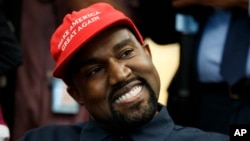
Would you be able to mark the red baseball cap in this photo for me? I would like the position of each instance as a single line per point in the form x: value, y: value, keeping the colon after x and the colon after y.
x: 81, y: 26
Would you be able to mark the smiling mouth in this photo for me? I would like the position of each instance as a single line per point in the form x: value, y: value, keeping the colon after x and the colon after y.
x: 131, y: 94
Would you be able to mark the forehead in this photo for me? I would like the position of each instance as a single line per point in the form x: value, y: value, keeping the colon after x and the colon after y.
x: 104, y: 41
x: 108, y: 39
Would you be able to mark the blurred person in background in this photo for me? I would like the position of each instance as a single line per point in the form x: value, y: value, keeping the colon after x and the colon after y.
x: 10, y: 60
x: 204, y: 96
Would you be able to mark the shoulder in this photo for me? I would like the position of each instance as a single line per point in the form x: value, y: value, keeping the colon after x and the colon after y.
x: 54, y: 132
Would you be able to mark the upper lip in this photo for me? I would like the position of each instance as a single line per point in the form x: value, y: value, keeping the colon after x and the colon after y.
x: 123, y: 89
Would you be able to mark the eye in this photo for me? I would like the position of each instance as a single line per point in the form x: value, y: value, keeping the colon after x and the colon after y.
x: 95, y: 70
x: 127, y: 53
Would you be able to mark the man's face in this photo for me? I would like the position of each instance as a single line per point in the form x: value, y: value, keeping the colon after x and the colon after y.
x: 116, y: 80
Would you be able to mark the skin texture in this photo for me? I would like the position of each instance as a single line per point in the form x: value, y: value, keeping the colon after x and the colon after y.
x: 109, y: 66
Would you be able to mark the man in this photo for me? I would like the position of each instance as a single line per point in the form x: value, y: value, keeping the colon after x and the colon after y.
x: 108, y: 68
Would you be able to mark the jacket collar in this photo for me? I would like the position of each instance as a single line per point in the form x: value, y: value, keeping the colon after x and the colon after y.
x: 157, y: 129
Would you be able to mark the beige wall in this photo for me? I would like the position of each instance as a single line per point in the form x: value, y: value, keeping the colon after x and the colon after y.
x: 166, y: 60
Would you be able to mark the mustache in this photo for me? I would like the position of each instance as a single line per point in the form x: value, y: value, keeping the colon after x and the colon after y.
x: 124, y: 83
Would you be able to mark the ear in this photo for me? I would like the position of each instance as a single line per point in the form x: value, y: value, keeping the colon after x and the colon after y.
x: 147, y: 49
x: 75, y: 94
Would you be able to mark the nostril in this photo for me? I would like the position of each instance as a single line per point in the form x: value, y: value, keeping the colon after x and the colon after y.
x: 118, y: 72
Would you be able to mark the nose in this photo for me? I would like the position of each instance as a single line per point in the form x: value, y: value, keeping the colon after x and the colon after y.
x: 118, y: 71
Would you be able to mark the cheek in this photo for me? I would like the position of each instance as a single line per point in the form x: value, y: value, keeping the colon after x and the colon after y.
x: 93, y: 92
x: 146, y: 69
x: 95, y: 98
x: 144, y: 65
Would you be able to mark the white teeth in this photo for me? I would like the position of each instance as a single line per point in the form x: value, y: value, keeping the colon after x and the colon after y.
x: 133, y: 92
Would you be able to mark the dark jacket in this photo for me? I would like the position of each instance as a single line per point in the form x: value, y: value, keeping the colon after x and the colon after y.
x: 160, y: 128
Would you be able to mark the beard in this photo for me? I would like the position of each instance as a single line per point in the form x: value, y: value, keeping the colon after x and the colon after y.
x: 140, y: 115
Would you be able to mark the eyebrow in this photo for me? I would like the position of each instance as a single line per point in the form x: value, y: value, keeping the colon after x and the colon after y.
x: 121, y: 44
x: 93, y: 60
